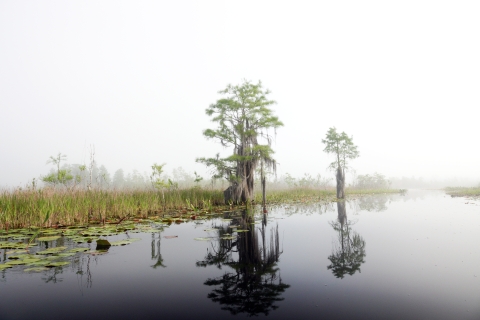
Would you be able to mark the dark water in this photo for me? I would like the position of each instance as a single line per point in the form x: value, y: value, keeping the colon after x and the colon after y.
x: 380, y: 257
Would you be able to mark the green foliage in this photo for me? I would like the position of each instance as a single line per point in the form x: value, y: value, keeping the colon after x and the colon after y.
x: 463, y: 191
x: 62, y: 176
x: 243, y: 117
x: 156, y: 177
x: 375, y: 181
x: 44, y: 207
x: 307, y: 181
x: 341, y: 145
x: 198, y: 178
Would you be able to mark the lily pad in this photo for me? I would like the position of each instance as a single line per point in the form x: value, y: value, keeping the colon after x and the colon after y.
x: 39, y: 263
x: 97, y: 252
x: 65, y: 254
x: 15, y: 262
x: 4, y: 266
x: 50, y: 238
x: 16, y: 251
x: 57, y: 264
x: 20, y: 237
x: 20, y: 256
x: 35, y: 269
x: 29, y: 261
x: 78, y: 250
x: 124, y: 242
x: 52, y: 250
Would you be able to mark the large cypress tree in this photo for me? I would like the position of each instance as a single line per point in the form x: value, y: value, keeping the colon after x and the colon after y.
x: 244, y: 120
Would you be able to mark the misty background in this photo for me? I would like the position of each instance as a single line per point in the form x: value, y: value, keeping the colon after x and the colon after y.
x: 133, y: 79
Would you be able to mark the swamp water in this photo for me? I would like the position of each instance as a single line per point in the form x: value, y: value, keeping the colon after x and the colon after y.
x: 415, y: 256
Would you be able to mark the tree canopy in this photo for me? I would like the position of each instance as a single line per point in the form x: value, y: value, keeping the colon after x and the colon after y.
x: 244, y: 120
x: 341, y: 145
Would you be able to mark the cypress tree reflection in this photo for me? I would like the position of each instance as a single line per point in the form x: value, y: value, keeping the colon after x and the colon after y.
x: 156, y: 254
x: 255, y: 284
x: 349, y: 254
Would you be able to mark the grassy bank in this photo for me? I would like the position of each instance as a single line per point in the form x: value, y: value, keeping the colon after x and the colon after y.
x: 463, y: 191
x: 25, y: 208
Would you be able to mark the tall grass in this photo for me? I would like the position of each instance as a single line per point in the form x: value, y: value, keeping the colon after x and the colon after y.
x: 26, y: 208
x: 463, y: 191
x: 311, y: 194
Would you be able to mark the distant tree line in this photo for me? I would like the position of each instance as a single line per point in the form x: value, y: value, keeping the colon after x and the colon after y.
x: 81, y: 176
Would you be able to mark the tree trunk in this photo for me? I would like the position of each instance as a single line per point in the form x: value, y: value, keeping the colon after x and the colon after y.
x: 263, y: 193
x: 232, y: 194
x: 342, y: 212
x: 340, y: 183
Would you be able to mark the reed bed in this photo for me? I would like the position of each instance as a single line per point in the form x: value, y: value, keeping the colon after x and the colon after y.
x: 28, y: 208
x: 463, y: 191
x: 313, y: 195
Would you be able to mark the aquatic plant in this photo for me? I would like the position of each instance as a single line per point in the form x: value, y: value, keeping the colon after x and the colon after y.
x: 463, y: 191
x: 26, y: 208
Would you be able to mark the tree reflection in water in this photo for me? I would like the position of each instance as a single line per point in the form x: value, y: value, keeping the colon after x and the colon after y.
x: 156, y: 254
x: 255, y: 284
x: 348, y: 255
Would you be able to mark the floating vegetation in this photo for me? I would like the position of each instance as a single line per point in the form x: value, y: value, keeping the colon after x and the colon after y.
x: 75, y: 250
x: 36, y: 269
x: 51, y: 238
x: 125, y: 242
x: 57, y: 264
x: 203, y: 239
x: 52, y: 250
x: 41, y: 249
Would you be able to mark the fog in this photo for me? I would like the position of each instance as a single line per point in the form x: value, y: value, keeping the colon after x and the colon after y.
x: 133, y: 79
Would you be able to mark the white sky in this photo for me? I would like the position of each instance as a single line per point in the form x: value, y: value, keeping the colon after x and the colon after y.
x: 134, y: 78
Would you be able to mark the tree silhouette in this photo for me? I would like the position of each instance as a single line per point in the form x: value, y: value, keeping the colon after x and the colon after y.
x: 349, y: 254
x: 254, y: 285
x: 156, y: 254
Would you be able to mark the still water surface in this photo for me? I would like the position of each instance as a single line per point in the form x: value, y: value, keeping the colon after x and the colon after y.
x: 415, y: 256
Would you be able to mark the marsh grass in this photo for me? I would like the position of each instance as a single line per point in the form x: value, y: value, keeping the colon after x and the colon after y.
x: 312, y: 195
x: 28, y: 208
x: 463, y: 191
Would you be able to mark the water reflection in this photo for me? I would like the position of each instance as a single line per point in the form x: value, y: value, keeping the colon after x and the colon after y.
x: 349, y: 253
x: 253, y: 284
x: 78, y: 263
x: 156, y: 253
x: 376, y: 204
